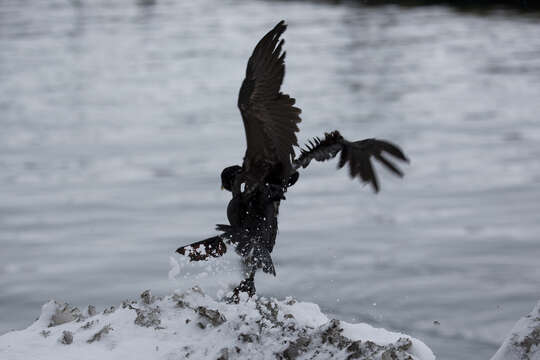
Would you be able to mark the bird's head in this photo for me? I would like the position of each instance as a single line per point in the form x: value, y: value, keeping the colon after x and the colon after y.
x: 228, y: 175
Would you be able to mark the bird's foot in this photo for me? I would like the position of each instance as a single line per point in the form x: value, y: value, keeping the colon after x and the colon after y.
x: 246, y: 286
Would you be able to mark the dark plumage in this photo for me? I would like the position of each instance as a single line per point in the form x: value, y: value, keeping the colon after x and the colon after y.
x: 270, y: 166
x: 357, y: 154
x: 270, y: 117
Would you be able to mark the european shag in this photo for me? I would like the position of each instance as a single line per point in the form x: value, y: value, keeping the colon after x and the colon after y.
x: 270, y: 165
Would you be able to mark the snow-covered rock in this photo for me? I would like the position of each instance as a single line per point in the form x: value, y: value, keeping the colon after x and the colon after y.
x: 195, y: 326
x: 523, y: 343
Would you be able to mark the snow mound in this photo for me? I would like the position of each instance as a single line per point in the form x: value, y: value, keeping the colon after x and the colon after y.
x: 523, y: 343
x: 195, y: 326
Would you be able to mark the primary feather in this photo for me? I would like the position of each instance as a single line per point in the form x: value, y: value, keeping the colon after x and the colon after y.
x: 358, y: 154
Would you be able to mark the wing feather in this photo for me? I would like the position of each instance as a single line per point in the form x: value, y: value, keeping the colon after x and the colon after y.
x: 270, y: 117
x: 358, y: 154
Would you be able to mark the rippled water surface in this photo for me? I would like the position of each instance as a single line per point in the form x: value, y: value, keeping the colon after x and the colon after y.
x: 117, y: 117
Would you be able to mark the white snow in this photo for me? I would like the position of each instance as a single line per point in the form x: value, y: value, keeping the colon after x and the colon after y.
x: 523, y: 342
x: 175, y: 268
x: 192, y: 324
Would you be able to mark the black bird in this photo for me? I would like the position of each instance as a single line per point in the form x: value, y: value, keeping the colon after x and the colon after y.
x: 270, y: 165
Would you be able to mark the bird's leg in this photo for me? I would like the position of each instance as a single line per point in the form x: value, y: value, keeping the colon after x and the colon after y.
x: 246, y: 286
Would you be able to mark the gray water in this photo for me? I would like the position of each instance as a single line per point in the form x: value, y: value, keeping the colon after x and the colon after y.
x: 117, y: 117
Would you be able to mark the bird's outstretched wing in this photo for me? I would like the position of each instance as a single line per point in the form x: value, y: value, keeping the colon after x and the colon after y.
x: 270, y: 119
x: 357, y: 153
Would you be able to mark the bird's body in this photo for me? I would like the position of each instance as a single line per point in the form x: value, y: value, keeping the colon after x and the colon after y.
x: 253, y: 227
x: 270, y: 166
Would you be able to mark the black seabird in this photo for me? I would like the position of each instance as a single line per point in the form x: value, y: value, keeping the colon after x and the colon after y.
x: 270, y: 165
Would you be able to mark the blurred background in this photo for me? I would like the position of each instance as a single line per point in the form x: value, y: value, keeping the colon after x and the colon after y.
x: 116, y: 119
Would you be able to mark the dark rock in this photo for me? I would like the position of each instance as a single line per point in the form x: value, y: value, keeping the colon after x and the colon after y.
x: 66, y: 338
x: 147, y: 297
x: 248, y: 338
x: 533, y: 339
x: 214, y: 317
x: 109, y: 310
x: 89, y: 324
x: 332, y: 335
x: 100, y: 334
x: 296, y: 348
x: 148, y: 317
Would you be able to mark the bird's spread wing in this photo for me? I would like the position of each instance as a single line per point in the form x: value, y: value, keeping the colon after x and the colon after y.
x: 270, y: 117
x: 357, y: 153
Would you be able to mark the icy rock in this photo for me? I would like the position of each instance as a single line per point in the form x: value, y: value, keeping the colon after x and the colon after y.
x: 147, y: 297
x: 109, y: 310
x: 148, y: 317
x: 66, y: 338
x: 100, y: 334
x: 212, y: 316
x: 89, y: 324
x: 193, y: 325
x: 54, y: 314
x: 523, y: 342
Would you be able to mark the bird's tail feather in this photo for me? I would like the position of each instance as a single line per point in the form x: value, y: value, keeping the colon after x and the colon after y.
x: 261, y: 259
x: 202, y: 250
